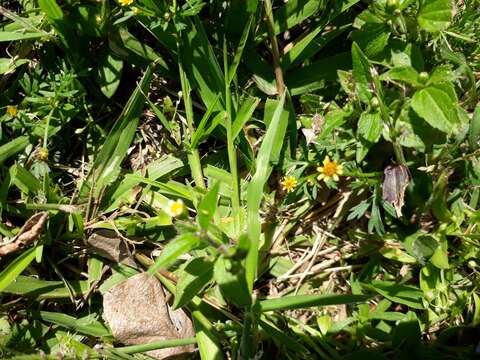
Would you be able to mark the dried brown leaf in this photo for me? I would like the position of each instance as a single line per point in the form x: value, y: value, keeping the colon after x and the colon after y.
x: 107, y: 244
x: 29, y: 232
x: 395, y: 182
x: 137, y: 313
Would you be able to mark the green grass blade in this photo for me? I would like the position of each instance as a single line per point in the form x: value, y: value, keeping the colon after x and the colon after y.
x: 174, y: 249
x: 15, y: 36
x: 107, y: 164
x: 244, y: 114
x: 87, y: 325
x: 43, y: 289
x: 13, y: 147
x: 305, y: 301
x: 15, y: 268
x: 255, y: 190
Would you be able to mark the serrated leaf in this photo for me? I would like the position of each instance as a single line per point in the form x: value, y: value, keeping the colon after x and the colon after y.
x: 435, y: 15
x: 436, y: 107
x: 361, y: 74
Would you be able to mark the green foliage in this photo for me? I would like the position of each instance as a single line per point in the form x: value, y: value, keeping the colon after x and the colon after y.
x: 302, y: 176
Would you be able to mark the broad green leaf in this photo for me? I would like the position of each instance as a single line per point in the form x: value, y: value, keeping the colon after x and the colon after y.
x: 255, y: 191
x: 440, y: 258
x: 7, y: 64
x: 192, y: 278
x: 372, y: 38
x: 15, y: 268
x: 208, y: 207
x: 306, y: 301
x: 435, y: 15
x: 406, y: 74
x: 361, y: 74
x: 370, y: 126
x: 230, y: 276
x: 436, y: 108
x: 397, y: 255
x: 13, y: 147
x: 315, y: 75
x: 174, y: 249
x: 398, y: 293
x: 109, y: 73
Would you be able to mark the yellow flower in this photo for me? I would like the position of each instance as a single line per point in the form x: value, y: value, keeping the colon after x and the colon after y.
x: 175, y: 208
x: 42, y: 154
x: 12, y: 110
x: 329, y: 170
x: 289, y: 183
x: 135, y: 10
x: 125, y: 2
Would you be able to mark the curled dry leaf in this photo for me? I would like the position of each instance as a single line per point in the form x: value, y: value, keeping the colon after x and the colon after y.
x: 395, y: 182
x: 108, y: 244
x: 29, y: 232
x: 137, y: 313
x: 312, y: 133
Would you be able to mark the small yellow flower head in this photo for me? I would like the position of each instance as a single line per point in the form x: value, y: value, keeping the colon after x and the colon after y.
x: 175, y: 208
x: 42, y: 154
x: 329, y: 170
x: 12, y: 110
x: 135, y: 10
x: 310, y: 182
x: 289, y: 183
x: 125, y: 2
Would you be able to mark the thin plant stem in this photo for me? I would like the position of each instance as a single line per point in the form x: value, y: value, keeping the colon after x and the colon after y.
x: 133, y: 349
x: 275, y: 50
x: 232, y: 154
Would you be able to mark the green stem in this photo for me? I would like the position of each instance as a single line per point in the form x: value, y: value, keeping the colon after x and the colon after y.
x: 275, y: 50
x: 232, y: 153
x: 133, y: 349
x: 397, y: 148
x: 47, y: 125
